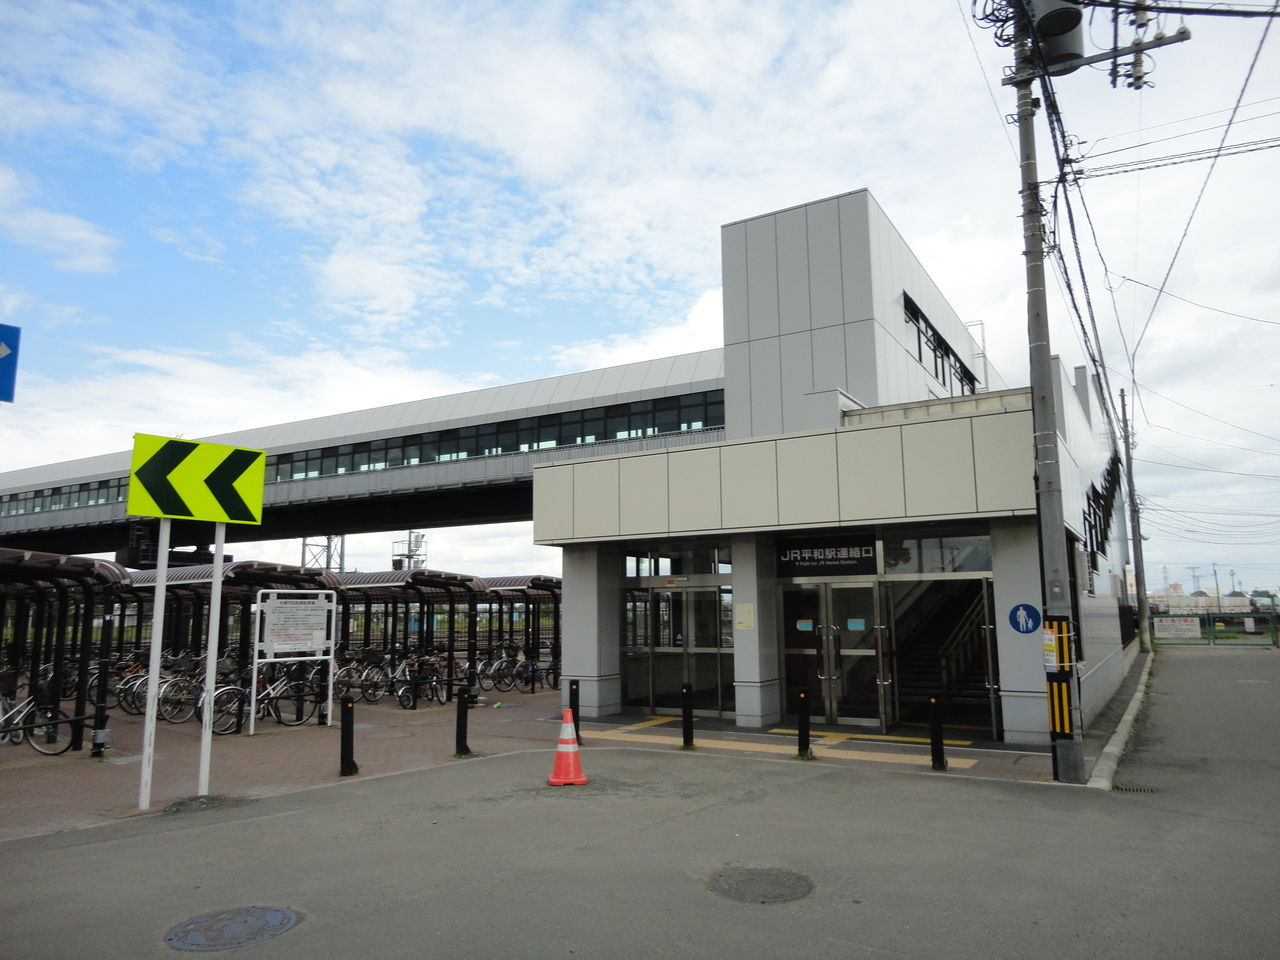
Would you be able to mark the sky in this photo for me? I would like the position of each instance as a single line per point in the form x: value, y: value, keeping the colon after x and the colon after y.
x: 221, y: 216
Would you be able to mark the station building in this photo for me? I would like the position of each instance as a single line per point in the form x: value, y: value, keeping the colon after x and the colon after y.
x: 864, y: 531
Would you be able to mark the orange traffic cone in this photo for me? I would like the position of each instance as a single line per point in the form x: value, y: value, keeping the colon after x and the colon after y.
x: 568, y: 766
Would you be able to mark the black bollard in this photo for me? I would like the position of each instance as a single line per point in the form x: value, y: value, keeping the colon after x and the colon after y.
x: 686, y: 715
x: 935, y: 734
x: 573, y: 708
x: 347, y: 766
x: 803, y: 750
x: 460, y: 748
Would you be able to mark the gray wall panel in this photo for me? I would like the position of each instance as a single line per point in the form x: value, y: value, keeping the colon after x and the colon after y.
x: 693, y: 478
x: 749, y: 485
x: 733, y: 272
x: 1003, y: 451
x: 871, y: 481
x: 796, y: 372
x: 937, y: 462
x: 826, y: 276
x: 793, y: 271
x: 595, y: 499
x: 762, y: 278
x: 855, y: 258
x: 642, y: 483
x: 766, y: 388
x: 808, y: 480
x: 829, y: 369
x: 860, y: 362
x: 553, y: 503
x: 737, y: 391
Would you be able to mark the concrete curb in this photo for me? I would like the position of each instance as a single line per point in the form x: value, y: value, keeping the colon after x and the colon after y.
x: 1104, y: 771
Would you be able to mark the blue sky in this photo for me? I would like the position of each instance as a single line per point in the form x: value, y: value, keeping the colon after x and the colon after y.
x: 216, y: 216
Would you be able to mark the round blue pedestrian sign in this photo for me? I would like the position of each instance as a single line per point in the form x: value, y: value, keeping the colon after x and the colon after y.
x: 1024, y: 618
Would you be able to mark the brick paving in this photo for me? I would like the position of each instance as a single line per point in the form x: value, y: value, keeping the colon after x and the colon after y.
x: 42, y: 795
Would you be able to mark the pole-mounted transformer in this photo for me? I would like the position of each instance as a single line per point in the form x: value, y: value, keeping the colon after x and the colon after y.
x: 1058, y: 29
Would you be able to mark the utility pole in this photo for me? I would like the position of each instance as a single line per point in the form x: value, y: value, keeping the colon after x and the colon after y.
x: 1068, y: 744
x: 1135, y: 523
x: 1217, y: 590
x: 1048, y: 40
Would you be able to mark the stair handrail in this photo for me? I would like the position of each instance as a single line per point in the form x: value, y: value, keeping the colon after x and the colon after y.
x: 959, y: 647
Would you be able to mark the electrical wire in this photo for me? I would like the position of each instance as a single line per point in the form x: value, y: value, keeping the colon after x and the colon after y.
x: 1203, y: 186
x: 1130, y: 6
x: 1207, y: 416
x: 1169, y: 123
x: 1176, y: 136
x: 985, y: 79
x: 1202, y: 306
x: 1173, y: 160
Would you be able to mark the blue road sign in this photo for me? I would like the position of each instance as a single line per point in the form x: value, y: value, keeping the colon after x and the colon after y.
x: 1024, y: 618
x: 8, y: 361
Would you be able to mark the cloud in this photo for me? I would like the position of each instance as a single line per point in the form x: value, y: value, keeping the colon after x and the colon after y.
x: 76, y: 245
x: 702, y: 329
x: 193, y: 243
x: 172, y: 393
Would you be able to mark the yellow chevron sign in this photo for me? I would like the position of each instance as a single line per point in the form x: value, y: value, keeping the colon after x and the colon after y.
x: 189, y: 480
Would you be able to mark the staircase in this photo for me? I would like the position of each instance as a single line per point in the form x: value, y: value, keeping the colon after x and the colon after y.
x: 944, y: 658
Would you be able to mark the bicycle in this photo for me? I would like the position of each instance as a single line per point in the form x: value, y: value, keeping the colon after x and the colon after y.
x: 44, y: 726
x: 528, y: 673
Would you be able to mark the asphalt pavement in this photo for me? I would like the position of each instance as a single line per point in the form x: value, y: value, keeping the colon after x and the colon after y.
x: 667, y: 853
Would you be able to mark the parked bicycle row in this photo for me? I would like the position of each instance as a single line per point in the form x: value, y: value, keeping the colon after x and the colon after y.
x: 289, y: 693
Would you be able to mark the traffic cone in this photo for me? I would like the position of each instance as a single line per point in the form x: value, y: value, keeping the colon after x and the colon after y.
x: 567, y: 770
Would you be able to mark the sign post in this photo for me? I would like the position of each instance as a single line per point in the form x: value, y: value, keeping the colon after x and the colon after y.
x: 186, y: 480
x: 153, y: 667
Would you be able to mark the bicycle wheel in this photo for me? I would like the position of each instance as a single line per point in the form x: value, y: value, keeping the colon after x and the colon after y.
x: 133, y: 695
x: 504, y: 677
x: 375, y: 684
x: 113, y: 684
x: 294, y: 705
x: 346, y: 681
x: 178, y: 700
x: 404, y: 696
x: 553, y: 676
x: 52, y: 734
x: 230, y: 705
x: 11, y: 731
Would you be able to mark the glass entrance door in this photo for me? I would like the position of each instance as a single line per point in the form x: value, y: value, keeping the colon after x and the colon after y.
x: 836, y: 649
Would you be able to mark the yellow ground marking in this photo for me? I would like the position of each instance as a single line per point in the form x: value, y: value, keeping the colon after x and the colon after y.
x: 826, y: 753
x: 840, y: 737
x: 648, y: 723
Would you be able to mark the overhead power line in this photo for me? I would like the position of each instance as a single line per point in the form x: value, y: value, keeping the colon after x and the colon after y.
x: 1202, y: 306
x: 1200, y: 196
x: 1207, y: 416
x: 1217, y: 10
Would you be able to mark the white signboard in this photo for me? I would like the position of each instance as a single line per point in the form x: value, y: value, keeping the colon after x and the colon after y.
x: 1177, y: 628
x: 295, y: 625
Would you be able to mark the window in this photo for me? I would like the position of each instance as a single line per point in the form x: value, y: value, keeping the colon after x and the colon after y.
x: 623, y: 421
x: 935, y: 354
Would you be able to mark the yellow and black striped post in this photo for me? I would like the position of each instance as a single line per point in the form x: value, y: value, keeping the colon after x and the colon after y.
x: 1059, y: 664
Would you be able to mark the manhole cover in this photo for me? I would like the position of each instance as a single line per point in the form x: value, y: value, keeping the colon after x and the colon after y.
x: 230, y: 928
x: 760, y: 885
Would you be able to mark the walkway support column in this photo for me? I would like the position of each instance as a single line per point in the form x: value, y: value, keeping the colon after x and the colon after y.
x: 592, y: 618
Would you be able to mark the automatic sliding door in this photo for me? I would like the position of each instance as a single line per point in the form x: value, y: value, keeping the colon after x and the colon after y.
x: 687, y: 628
x: 858, y: 681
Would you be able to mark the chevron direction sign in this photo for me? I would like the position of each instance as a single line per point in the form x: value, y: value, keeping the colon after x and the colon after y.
x: 187, y: 480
